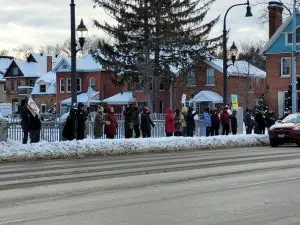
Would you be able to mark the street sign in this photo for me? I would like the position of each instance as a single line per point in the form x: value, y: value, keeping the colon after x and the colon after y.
x: 183, y: 99
x: 234, y: 100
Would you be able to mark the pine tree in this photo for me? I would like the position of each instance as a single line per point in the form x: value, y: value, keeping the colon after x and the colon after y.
x: 154, y: 39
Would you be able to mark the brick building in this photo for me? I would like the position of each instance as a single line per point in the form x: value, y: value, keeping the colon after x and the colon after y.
x: 89, y: 74
x: 244, y: 80
x: 21, y: 76
x: 5, y: 61
x: 278, y: 53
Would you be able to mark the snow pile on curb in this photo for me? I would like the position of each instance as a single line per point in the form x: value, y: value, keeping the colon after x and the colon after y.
x: 15, y: 151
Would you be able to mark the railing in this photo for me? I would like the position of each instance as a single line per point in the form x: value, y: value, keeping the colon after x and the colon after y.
x: 52, y: 130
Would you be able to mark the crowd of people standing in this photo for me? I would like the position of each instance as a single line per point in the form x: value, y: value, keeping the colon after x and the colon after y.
x: 138, y: 122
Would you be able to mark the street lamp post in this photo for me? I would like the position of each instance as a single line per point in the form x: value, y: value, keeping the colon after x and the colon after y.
x: 82, y: 32
x: 225, y: 59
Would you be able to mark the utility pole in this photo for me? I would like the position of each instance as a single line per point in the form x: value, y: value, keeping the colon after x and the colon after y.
x: 294, y: 94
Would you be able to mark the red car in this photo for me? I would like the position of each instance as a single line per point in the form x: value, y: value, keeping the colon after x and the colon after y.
x: 286, y: 131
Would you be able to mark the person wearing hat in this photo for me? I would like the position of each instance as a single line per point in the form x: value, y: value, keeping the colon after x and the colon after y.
x: 81, y: 119
x: 99, y: 122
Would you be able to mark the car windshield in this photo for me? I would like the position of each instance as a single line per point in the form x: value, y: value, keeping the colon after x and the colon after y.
x: 293, y: 118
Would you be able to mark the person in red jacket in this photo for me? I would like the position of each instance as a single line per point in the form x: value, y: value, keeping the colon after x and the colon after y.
x: 111, y: 124
x: 225, y: 121
x: 170, y: 122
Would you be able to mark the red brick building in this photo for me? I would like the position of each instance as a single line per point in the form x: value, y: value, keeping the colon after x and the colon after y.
x: 21, y: 76
x: 89, y: 74
x: 244, y: 80
x: 278, y: 53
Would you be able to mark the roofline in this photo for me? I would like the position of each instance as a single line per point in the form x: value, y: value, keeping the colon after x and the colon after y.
x: 277, y: 33
x: 220, y: 69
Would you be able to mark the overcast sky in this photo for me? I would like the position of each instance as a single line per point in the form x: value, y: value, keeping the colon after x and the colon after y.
x: 41, y: 22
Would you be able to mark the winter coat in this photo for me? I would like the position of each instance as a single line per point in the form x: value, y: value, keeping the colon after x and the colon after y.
x: 69, y: 128
x: 207, y: 119
x: 234, y: 125
x: 146, y: 122
x: 248, y: 120
x: 81, y: 118
x: 179, y: 120
x: 190, y: 121
x: 170, y: 121
x: 24, y: 118
x: 136, y: 117
x: 259, y: 120
x: 34, y: 123
x: 215, y: 121
x: 128, y: 118
x: 99, y: 124
x: 111, y: 129
x: 225, y: 118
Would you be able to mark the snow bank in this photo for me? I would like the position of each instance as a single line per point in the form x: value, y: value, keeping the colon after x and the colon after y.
x: 12, y: 151
x: 15, y: 151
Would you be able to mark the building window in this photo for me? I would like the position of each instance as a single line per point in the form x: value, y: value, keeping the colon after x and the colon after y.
x: 78, y: 84
x: 93, y: 83
x: 62, y: 85
x: 4, y: 87
x: 54, y: 108
x: 68, y: 84
x: 43, y: 108
x: 210, y: 76
x: 15, y: 71
x: 12, y: 85
x: 31, y: 83
x: 289, y: 37
x: 285, y: 66
x: 65, y: 66
x: 161, y: 107
x: 43, y: 88
x: 191, y: 77
x: 161, y: 84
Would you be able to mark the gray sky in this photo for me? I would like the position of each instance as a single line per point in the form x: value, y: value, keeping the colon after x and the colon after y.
x: 41, y: 22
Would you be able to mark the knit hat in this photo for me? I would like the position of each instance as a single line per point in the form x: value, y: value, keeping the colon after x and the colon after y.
x: 100, y: 108
x: 184, y: 109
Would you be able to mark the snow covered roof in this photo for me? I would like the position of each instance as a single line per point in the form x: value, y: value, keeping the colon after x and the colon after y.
x: 85, y: 63
x: 120, y: 99
x: 29, y: 69
x: 240, y: 68
x: 1, y: 78
x: 49, y: 79
x: 4, y: 64
x: 83, y: 97
x: 207, y: 96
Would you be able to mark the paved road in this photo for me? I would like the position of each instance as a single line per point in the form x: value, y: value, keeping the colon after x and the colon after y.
x: 225, y: 187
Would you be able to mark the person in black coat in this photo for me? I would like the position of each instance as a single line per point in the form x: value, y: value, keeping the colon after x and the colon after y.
x: 146, y: 123
x: 249, y: 121
x: 190, y: 122
x: 128, y: 121
x: 34, y: 127
x: 136, y: 121
x: 234, y: 124
x: 24, y: 120
x: 70, y: 125
x: 81, y: 119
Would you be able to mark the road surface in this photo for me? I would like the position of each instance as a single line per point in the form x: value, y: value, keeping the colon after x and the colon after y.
x: 220, y: 187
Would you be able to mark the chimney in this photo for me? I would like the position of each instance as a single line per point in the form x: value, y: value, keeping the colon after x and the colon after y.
x: 275, y: 16
x: 49, y: 63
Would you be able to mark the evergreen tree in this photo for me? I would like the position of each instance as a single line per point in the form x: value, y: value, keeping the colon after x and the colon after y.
x: 154, y: 39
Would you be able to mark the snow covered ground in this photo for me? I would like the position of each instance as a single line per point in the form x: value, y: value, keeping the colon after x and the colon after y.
x: 15, y: 151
